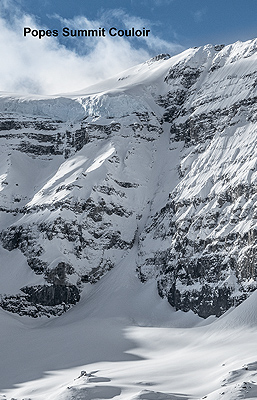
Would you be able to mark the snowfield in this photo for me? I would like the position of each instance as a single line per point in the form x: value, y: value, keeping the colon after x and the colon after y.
x: 127, y: 343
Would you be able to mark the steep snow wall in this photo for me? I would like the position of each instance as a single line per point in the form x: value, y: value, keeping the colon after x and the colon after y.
x: 161, y: 158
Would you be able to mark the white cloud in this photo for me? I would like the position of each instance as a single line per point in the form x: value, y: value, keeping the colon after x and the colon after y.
x: 30, y: 65
x: 152, y: 42
x: 162, y: 2
x: 154, y: 3
x: 199, y: 15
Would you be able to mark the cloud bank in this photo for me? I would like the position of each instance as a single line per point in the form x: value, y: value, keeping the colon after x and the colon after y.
x: 49, y: 66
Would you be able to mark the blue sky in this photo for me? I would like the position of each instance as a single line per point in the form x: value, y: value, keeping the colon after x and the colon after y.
x: 187, y: 22
x: 53, y: 65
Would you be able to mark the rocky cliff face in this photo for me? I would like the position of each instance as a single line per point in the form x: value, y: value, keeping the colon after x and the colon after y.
x: 205, y: 235
x: 161, y: 158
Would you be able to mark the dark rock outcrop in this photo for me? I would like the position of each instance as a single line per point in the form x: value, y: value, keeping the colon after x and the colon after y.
x: 52, y: 295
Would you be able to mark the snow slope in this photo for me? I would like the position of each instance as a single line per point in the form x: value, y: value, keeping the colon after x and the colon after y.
x: 132, y: 345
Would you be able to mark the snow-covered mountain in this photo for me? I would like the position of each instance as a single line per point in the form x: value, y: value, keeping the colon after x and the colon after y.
x: 140, y: 186
x: 161, y: 158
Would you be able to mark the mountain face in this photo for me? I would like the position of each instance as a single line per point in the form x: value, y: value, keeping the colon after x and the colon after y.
x: 161, y: 158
